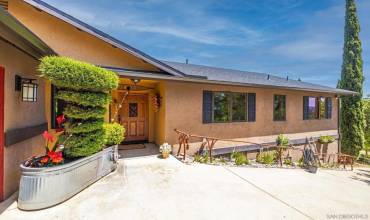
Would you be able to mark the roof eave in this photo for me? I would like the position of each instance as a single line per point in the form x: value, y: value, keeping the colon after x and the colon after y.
x: 153, y: 75
x: 17, y: 28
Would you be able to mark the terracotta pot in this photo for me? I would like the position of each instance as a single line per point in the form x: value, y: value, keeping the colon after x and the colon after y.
x: 165, y: 155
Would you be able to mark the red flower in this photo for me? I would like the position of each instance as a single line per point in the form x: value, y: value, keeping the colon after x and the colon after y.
x: 56, y: 157
x: 48, y: 137
x: 57, y: 160
x: 44, y: 159
x: 60, y: 119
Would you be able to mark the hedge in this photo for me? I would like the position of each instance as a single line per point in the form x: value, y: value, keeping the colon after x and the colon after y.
x: 65, y: 72
x: 77, y: 127
x: 85, y: 144
x: 80, y: 112
x: 85, y: 98
x: 85, y: 88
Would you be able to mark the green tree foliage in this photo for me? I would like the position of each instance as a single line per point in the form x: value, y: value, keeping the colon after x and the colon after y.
x: 352, y: 117
x: 367, y: 125
x: 85, y: 88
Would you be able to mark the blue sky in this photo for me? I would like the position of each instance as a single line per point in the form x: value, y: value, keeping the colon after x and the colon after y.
x: 299, y: 38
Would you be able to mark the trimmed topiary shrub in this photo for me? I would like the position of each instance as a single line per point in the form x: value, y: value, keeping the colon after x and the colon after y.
x: 85, y: 88
x: 68, y: 73
x: 113, y: 133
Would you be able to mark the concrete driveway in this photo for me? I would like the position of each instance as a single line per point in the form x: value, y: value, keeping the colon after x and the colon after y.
x: 152, y: 188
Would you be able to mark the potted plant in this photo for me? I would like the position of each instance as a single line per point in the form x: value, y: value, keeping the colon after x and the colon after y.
x: 86, y: 149
x: 165, y: 149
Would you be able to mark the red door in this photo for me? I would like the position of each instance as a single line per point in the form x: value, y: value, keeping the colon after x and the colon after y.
x: 2, y: 84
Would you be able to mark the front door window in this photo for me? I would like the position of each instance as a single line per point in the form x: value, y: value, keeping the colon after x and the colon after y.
x: 132, y: 110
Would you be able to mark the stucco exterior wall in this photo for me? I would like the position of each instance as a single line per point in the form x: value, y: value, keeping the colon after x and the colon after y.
x: 67, y: 40
x: 183, y: 106
x: 19, y: 114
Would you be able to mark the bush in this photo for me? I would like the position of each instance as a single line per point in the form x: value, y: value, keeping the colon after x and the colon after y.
x: 86, y: 126
x: 85, y: 88
x: 281, y: 140
x: 80, y: 112
x: 240, y: 158
x: 326, y: 139
x: 68, y: 73
x: 266, y: 158
x: 85, y: 98
x: 113, y: 133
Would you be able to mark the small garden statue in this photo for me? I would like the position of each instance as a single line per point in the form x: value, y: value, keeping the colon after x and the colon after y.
x: 165, y: 149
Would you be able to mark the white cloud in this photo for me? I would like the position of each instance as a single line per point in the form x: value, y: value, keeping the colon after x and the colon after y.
x: 193, y: 24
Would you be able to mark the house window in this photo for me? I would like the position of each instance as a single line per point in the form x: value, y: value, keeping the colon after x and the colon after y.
x: 228, y: 107
x: 221, y: 107
x: 57, y: 107
x: 322, y: 107
x: 279, y: 107
x: 239, y: 105
x: 317, y: 107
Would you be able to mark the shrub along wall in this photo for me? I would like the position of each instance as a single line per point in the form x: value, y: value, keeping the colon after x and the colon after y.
x: 85, y: 88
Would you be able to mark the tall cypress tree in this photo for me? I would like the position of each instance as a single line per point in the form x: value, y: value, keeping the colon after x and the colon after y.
x: 352, y: 116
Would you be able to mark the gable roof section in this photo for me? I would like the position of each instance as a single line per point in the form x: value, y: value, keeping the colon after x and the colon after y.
x: 103, y: 36
x: 251, y: 78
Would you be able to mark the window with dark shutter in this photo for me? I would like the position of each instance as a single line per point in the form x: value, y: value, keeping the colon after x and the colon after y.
x: 251, y: 105
x: 305, y: 107
x: 329, y: 106
x: 207, y: 106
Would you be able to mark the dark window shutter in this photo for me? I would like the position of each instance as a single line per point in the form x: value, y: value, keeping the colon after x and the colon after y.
x: 207, y: 106
x: 328, y: 107
x: 251, y: 105
x: 305, y: 107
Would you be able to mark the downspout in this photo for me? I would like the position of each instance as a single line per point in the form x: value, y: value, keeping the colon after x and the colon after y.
x: 338, y: 121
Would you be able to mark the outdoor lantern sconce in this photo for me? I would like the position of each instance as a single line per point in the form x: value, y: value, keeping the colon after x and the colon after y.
x: 27, y: 88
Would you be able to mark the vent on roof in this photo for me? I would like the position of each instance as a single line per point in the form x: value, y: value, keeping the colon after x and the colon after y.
x: 4, y: 4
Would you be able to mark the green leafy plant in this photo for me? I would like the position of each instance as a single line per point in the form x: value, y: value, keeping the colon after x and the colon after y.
x: 300, y: 162
x: 266, y: 157
x: 114, y: 133
x: 240, y: 158
x: 281, y: 140
x: 202, y: 158
x: 198, y: 158
x: 326, y: 139
x: 287, y: 161
x: 85, y: 88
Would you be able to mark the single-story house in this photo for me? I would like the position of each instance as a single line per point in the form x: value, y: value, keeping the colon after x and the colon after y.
x: 154, y: 97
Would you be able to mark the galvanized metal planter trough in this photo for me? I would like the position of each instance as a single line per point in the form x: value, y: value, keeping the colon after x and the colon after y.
x: 44, y: 187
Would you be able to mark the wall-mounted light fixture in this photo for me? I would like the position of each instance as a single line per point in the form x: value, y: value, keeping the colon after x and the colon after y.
x: 27, y: 88
x: 135, y: 81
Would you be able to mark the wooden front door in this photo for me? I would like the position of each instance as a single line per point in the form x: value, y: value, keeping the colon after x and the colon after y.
x: 134, y: 117
x: 2, y: 84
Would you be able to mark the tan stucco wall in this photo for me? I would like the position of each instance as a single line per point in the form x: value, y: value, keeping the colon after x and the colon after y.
x: 183, y: 107
x: 67, y: 40
x: 19, y: 114
x: 160, y: 119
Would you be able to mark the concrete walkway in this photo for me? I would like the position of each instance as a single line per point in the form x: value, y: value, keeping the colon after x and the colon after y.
x: 152, y: 188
